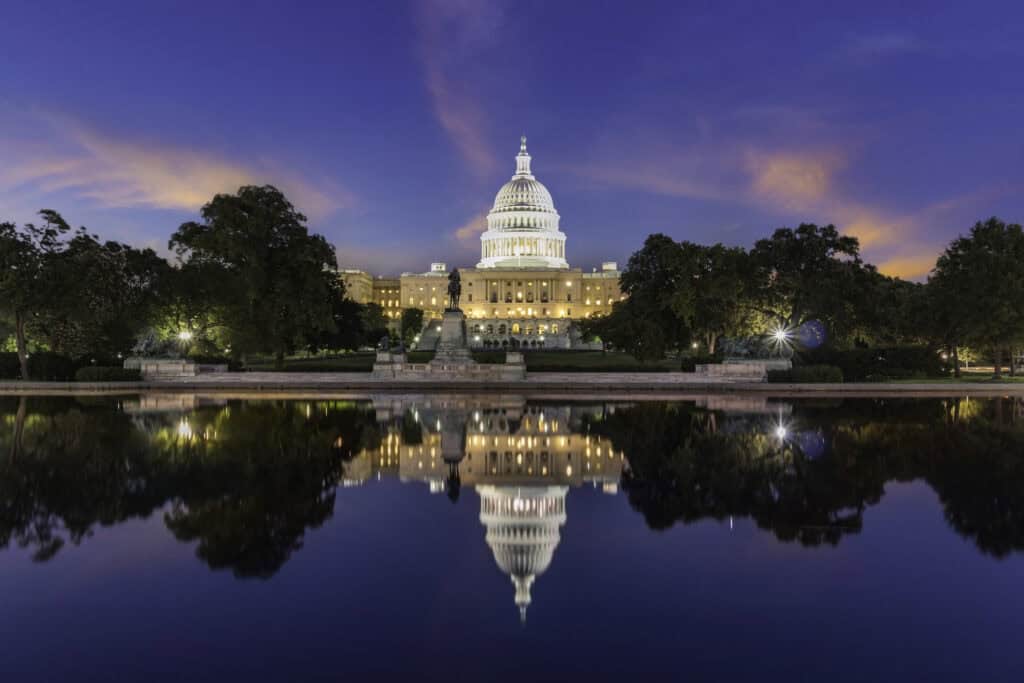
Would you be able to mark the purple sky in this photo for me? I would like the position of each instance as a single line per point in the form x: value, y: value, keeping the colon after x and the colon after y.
x: 393, y: 124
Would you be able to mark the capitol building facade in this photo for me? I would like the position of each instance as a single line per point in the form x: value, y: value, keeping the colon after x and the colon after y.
x: 522, y: 293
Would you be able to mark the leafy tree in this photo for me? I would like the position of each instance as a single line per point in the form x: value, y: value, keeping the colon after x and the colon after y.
x: 412, y: 324
x: 375, y: 323
x: 100, y: 295
x: 24, y: 255
x: 653, y: 318
x: 719, y: 277
x: 809, y: 273
x: 281, y: 281
x: 978, y: 287
x: 72, y: 293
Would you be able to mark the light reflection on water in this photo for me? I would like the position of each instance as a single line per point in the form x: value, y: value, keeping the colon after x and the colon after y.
x: 252, y: 487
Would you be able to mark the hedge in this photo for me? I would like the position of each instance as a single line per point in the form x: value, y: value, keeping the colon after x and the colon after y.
x: 103, y: 373
x: 808, y: 374
x: 880, y: 364
x: 46, y: 366
x: 9, y: 366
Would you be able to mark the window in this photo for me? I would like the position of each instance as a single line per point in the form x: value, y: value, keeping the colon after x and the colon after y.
x: 494, y: 297
x: 554, y: 329
x: 568, y: 297
x: 529, y: 297
x: 508, y: 297
x: 501, y: 329
x: 470, y: 295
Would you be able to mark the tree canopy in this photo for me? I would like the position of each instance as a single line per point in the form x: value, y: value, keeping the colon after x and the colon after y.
x: 278, y: 282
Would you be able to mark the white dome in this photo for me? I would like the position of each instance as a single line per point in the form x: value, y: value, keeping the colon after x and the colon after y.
x: 522, y: 226
x: 522, y: 531
x: 524, y: 195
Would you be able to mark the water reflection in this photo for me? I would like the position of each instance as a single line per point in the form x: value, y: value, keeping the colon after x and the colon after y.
x: 520, y: 459
x: 246, y: 481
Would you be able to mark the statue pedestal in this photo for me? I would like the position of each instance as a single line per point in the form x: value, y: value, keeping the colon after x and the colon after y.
x: 452, y: 347
x: 452, y: 361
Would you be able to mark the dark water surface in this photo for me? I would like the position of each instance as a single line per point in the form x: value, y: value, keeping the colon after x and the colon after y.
x: 468, y: 538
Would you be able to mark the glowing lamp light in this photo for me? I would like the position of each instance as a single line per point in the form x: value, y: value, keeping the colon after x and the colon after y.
x: 185, y: 336
x: 781, y: 432
x: 694, y: 345
x: 780, y: 335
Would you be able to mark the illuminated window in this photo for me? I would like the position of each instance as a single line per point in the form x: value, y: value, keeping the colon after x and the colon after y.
x: 515, y: 328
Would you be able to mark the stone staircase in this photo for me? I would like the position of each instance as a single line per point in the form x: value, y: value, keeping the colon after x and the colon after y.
x: 429, y: 337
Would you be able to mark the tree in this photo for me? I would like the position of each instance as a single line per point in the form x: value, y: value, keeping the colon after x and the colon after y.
x: 719, y: 278
x: 281, y: 282
x: 412, y: 324
x: 23, y: 258
x: 72, y: 293
x: 375, y: 323
x: 978, y: 286
x: 809, y: 273
x: 653, y: 318
x: 99, y: 295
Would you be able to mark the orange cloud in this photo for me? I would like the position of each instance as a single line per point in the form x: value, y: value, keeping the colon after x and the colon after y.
x: 120, y: 173
x: 910, y: 267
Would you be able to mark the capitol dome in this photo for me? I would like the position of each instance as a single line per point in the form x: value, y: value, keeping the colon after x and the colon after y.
x: 522, y: 226
x: 522, y: 531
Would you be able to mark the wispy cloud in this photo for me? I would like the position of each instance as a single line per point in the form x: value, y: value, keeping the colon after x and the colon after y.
x: 791, y: 179
x: 873, y: 47
x: 470, y: 231
x: 119, y: 173
x: 797, y: 183
x: 452, y: 33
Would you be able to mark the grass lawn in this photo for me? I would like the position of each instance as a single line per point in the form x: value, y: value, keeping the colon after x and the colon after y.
x: 361, y: 361
x: 966, y: 377
x: 589, y: 361
x: 536, y: 361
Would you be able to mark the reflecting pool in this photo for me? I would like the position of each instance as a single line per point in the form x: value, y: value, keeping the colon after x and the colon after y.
x: 460, y: 537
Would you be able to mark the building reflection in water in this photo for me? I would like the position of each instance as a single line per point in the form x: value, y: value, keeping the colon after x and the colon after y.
x: 520, y: 459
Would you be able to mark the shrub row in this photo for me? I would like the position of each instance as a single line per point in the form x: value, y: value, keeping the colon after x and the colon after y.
x: 42, y: 366
x: 859, y: 365
x: 808, y: 374
x: 104, y: 373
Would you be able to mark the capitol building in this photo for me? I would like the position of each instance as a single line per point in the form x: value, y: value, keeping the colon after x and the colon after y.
x: 522, y: 293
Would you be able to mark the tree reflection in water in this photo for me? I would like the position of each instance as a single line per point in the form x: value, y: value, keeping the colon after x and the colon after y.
x: 813, y: 484
x: 246, y: 480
